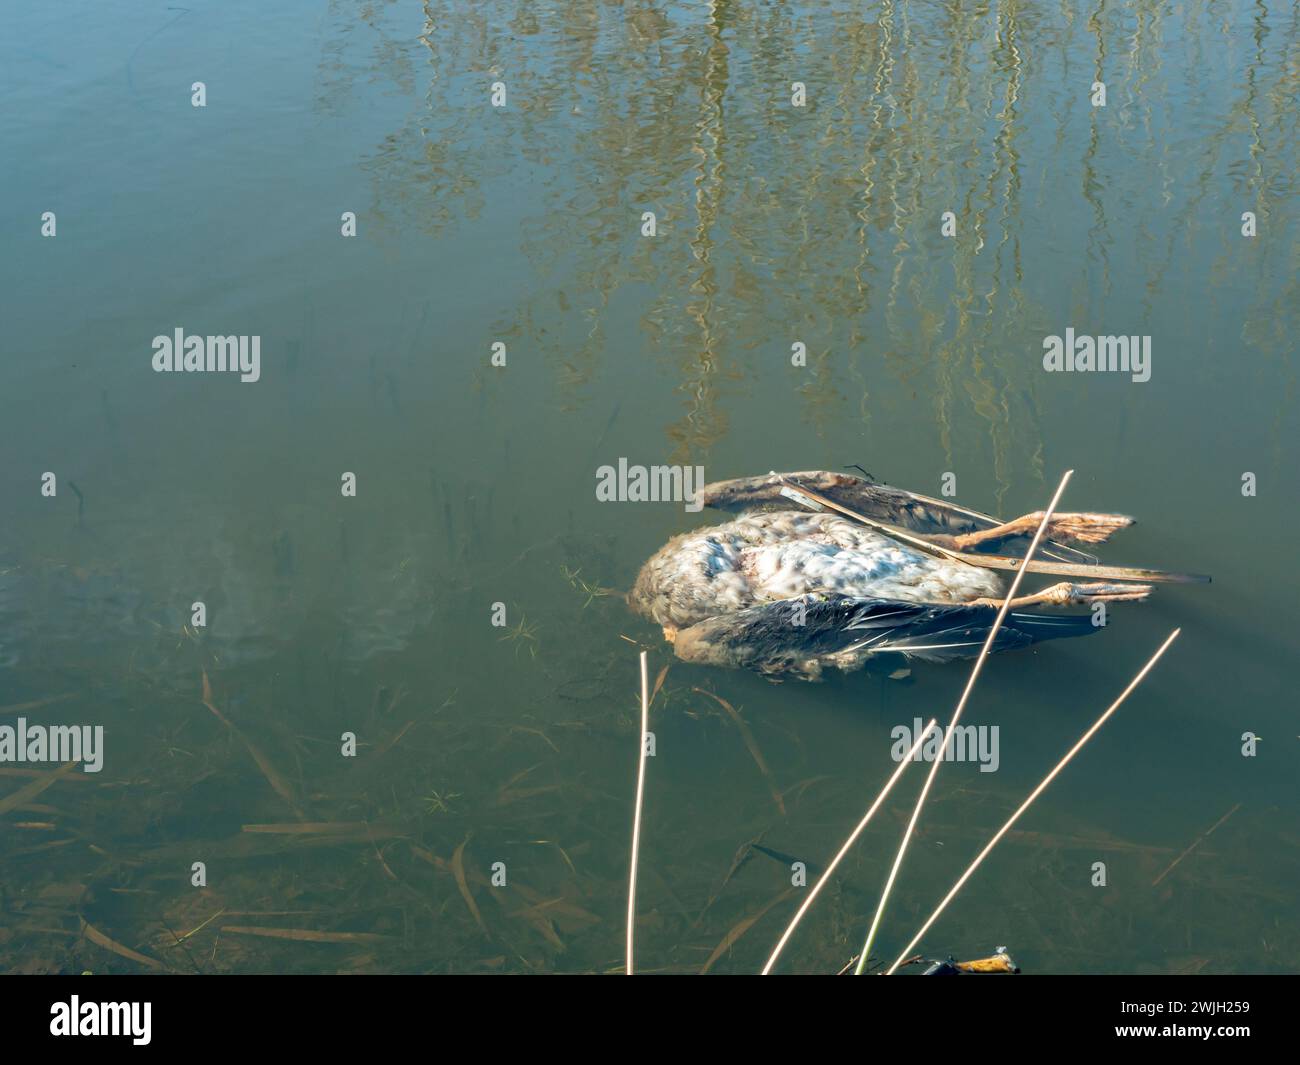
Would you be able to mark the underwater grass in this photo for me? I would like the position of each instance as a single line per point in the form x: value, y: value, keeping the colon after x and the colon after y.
x: 377, y: 856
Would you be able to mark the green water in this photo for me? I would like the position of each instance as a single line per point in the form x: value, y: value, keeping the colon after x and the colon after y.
x: 475, y: 484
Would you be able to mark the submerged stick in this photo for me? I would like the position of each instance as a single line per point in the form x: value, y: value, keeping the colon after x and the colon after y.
x: 866, y: 818
x: 636, y: 819
x: 1198, y: 841
x: 956, y: 716
x: 1034, y: 795
x: 28, y: 792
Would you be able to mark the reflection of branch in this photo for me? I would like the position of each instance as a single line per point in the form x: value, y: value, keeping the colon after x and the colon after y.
x: 699, y: 428
x: 617, y: 110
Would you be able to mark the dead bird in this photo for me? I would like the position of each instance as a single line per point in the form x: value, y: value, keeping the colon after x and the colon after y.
x: 786, y: 591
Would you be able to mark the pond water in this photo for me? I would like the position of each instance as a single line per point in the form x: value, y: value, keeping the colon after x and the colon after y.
x: 523, y: 225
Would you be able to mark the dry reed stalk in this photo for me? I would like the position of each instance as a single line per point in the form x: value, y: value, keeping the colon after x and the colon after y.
x: 956, y: 717
x: 636, y: 818
x: 853, y: 837
x: 1034, y: 795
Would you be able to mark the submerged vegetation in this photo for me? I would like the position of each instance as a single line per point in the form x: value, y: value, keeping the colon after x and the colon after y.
x: 384, y: 862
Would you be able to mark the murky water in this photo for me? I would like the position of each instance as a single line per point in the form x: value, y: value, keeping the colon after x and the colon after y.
x: 522, y: 225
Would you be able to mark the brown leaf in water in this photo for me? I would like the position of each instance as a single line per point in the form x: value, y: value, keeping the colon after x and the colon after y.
x: 519, y: 776
x: 96, y: 936
x: 543, y: 925
x: 306, y: 935
x: 1189, y: 965
x: 752, y: 744
x: 741, y: 927
x: 533, y: 732
x: 392, y: 741
x: 741, y: 858
x: 424, y: 854
x: 273, y: 777
x: 328, y: 828
x: 659, y: 683
x: 561, y: 906
x: 29, y: 791
x: 563, y: 853
x: 207, y: 694
x: 278, y: 784
x: 458, y: 871
x: 506, y: 796
x: 1068, y: 842
x: 574, y: 914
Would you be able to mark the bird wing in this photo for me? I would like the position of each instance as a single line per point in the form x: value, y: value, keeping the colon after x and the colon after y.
x: 894, y: 506
x: 820, y: 626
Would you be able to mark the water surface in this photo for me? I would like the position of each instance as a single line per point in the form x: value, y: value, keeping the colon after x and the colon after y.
x: 522, y: 225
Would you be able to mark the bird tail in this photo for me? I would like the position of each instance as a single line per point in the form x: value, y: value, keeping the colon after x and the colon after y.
x: 962, y: 634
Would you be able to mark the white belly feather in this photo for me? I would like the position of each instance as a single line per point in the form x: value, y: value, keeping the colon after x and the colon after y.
x: 767, y: 557
x: 885, y: 570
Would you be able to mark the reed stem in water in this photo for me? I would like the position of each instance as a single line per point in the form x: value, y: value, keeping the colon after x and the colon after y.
x: 1032, y: 796
x: 866, y: 818
x: 956, y: 716
x: 636, y: 819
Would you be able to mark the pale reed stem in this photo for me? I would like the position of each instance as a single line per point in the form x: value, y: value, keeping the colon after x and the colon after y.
x: 866, y: 818
x: 636, y: 819
x: 1032, y: 796
x: 956, y: 716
